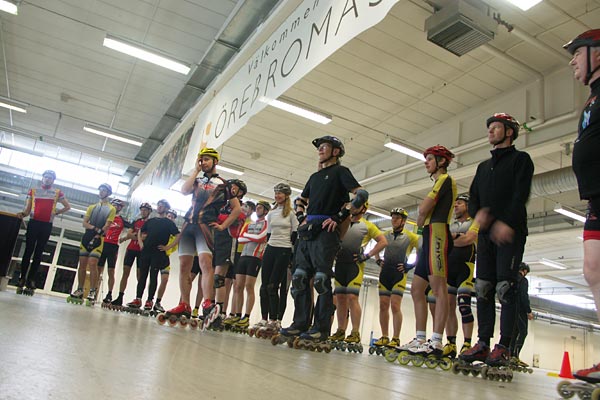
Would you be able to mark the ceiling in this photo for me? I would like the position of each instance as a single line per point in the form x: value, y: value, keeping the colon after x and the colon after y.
x: 387, y: 82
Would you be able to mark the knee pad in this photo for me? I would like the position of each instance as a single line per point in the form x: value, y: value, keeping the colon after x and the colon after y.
x: 219, y: 281
x: 299, y: 280
x: 506, y: 292
x: 320, y: 282
x: 484, y: 290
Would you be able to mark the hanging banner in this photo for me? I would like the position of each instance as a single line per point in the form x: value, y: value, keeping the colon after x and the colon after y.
x: 314, y: 31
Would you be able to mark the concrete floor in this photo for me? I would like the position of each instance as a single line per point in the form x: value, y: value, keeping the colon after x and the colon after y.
x: 54, y: 350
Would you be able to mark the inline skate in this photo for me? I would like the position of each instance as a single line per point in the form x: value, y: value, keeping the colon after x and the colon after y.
x: 134, y: 307
x: 517, y: 365
x: 180, y: 314
x: 106, y: 302
x: 269, y: 330
x: 337, y: 340
x: 382, y: 344
x: 353, y: 343
x: 313, y: 340
x: 76, y: 297
x: 480, y: 361
x: 241, y: 326
x: 286, y: 335
x: 117, y: 304
x: 260, y: 324
x: 211, y: 314
x: 230, y: 321
x: 587, y: 385
x: 91, y: 298
x: 449, y: 350
x: 392, y: 353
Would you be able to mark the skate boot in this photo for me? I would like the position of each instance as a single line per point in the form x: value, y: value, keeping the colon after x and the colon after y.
x: 313, y: 340
x: 479, y: 352
x: 260, y: 324
x: 76, y: 297
x: 217, y: 324
x: 378, y: 347
x: 117, y: 304
x: 466, y: 346
x: 392, y: 353
x: 29, y: 289
x: 516, y: 364
x: 148, y: 305
x: 91, y: 298
x: 353, y: 342
x: 230, y: 321
x: 499, y: 357
x: 270, y: 329
x: 107, y: 300
x: 472, y: 360
x: 181, y: 313
x: 20, y: 286
x: 134, y: 306
x: 241, y: 326
x: 211, y: 313
x: 449, y: 350
x: 395, y: 342
x: 286, y: 335
x: 158, y: 308
x: 337, y: 340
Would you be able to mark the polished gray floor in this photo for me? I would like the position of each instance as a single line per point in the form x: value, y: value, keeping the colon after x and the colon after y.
x: 51, y: 349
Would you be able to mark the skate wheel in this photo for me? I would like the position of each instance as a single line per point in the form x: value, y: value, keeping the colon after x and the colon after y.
x: 290, y: 343
x: 430, y: 362
x: 360, y: 350
x: 475, y: 373
x: 172, y: 321
x: 275, y: 340
x: 371, y: 350
x: 391, y: 355
x: 484, y: 372
x: 183, y: 321
x: 327, y: 349
x: 417, y: 362
x: 296, y: 343
x: 445, y: 364
x: 456, y: 369
x: 160, y: 318
x: 596, y: 394
x: 319, y: 349
x: 194, y: 324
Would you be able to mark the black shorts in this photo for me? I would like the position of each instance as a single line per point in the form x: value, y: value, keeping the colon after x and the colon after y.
x: 461, y: 267
x: 196, y: 266
x: 130, y: 257
x: 348, y: 278
x: 155, y: 260
x: 248, y: 265
x: 109, y: 253
x: 223, y: 247
x: 391, y: 281
x: 433, y: 257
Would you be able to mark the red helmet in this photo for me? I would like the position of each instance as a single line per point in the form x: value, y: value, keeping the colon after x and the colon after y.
x: 589, y: 38
x: 507, y: 120
x: 439, y: 151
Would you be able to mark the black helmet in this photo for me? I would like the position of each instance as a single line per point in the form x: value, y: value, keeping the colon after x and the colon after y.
x: 464, y: 197
x: 507, y: 120
x: 283, y: 188
x: 265, y: 204
x: 164, y: 202
x: 239, y: 183
x: 116, y: 202
x: 399, y: 211
x: 524, y: 267
x: 50, y: 173
x: 107, y: 187
x: 147, y: 206
x: 250, y: 204
x: 333, y: 141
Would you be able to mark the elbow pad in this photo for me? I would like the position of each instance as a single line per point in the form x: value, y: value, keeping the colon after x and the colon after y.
x: 360, y: 199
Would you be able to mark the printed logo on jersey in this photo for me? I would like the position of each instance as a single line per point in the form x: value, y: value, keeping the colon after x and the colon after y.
x: 585, y: 122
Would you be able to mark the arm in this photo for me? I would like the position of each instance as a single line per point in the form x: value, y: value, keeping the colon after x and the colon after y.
x: 27, y: 209
x: 190, y: 182
x: 381, y: 244
x: 258, y: 238
x: 426, y: 206
x: 236, y: 210
x: 66, y: 206
x: 467, y: 238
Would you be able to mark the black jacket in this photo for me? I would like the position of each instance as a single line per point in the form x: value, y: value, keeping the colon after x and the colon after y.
x: 502, y: 184
x: 524, y: 305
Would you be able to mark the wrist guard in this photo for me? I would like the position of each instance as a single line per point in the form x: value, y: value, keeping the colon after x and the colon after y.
x: 360, y: 198
x: 300, y: 216
x: 380, y: 262
x: 341, y: 215
x: 420, y: 231
x: 361, y: 257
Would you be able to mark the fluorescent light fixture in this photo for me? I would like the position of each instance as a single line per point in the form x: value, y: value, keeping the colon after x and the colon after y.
x: 298, y: 109
x: 76, y: 210
x: 403, y: 148
x: 13, y: 104
x: 9, y: 193
x: 230, y: 170
x: 569, y: 212
x: 8, y: 6
x: 295, y: 189
x: 382, y: 215
x: 524, y: 4
x: 145, y: 53
x: 552, y: 264
x: 110, y: 133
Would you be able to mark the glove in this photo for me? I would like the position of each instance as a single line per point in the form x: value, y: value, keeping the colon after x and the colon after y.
x: 95, y: 242
x: 341, y: 215
x: 361, y: 257
x: 420, y: 231
x: 300, y: 216
x: 380, y: 262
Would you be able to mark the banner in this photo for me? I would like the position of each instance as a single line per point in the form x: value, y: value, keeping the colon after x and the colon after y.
x: 314, y: 31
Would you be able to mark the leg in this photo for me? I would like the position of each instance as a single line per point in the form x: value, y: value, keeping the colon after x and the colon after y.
x: 250, y: 296
x: 30, y: 241
x: 342, y: 310
x: 355, y: 311
x: 124, y: 278
x: 44, y: 229
x: 238, y: 294
x: 591, y: 269
x: 185, y: 268
x: 417, y: 293
x: 93, y: 264
x: 384, y: 314
x: 396, y: 304
x: 268, y: 264
x: 82, y: 271
x: 164, y: 280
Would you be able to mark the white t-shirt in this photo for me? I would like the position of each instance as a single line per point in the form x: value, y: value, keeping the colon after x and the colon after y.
x: 281, y: 228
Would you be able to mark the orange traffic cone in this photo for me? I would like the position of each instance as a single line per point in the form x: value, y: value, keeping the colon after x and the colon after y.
x: 565, y: 369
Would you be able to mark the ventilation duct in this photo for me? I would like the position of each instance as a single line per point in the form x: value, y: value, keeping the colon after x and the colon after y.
x: 460, y: 27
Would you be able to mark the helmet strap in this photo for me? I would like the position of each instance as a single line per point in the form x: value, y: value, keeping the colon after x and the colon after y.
x: 46, y: 187
x: 590, y: 72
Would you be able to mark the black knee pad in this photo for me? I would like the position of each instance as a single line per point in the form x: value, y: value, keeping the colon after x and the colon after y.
x: 321, y: 282
x: 219, y: 281
x: 506, y: 292
x: 484, y: 290
x: 299, y: 281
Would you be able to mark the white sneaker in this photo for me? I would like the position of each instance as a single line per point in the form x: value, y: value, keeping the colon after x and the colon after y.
x: 429, y: 347
x: 411, y: 346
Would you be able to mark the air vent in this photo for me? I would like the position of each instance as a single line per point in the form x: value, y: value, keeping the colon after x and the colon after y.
x: 460, y: 27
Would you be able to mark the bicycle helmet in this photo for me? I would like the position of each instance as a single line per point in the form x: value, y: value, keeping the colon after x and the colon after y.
x: 116, y: 202
x: 164, y: 202
x: 524, y: 267
x: 588, y: 39
x: 147, y: 206
x: 283, y: 188
x: 107, y: 187
x: 209, y: 151
x: 172, y: 212
x: 265, y: 204
x: 333, y: 141
x: 240, y: 184
x: 399, y: 211
x: 439, y: 151
x: 507, y: 120
x: 50, y: 173
x: 464, y: 197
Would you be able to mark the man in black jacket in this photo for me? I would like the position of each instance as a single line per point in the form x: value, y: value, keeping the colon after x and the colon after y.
x: 498, y: 198
x: 524, y: 314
